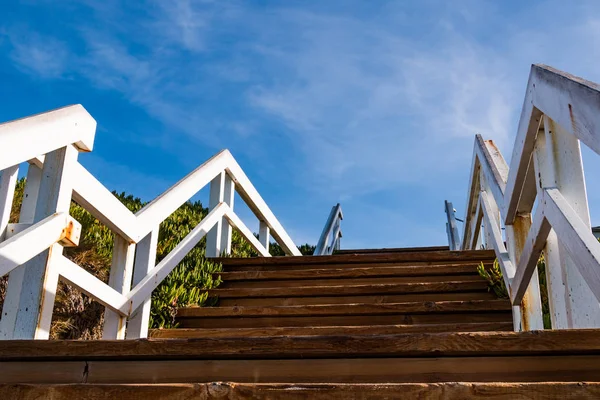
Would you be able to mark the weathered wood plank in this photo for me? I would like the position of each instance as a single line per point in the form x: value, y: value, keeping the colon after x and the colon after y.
x: 183, y: 333
x: 394, y: 288
x: 323, y: 391
x: 431, y: 256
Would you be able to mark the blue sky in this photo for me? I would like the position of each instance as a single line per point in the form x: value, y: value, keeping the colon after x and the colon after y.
x: 370, y: 103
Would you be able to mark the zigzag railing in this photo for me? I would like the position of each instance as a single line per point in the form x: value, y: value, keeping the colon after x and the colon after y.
x: 31, y: 250
x: 545, y: 177
x: 332, y: 233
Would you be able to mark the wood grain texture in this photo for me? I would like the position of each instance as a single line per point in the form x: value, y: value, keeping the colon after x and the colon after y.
x: 324, y: 391
x: 392, y: 250
x: 352, y: 272
x: 367, y: 298
x: 432, y: 256
x: 393, y: 288
x: 182, y: 333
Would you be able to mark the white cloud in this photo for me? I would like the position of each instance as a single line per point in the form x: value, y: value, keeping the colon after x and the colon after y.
x: 44, y: 57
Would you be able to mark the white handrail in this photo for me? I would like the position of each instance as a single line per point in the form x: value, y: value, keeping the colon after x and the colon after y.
x: 451, y: 227
x: 332, y: 226
x: 55, y: 131
x: 559, y: 111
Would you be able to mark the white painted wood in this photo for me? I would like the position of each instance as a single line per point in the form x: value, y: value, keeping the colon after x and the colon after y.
x: 92, y: 286
x: 228, y: 196
x: 534, y: 245
x: 564, y: 155
x: 143, y: 290
x: 32, y: 241
x: 26, y: 138
x: 264, y: 235
x: 335, y: 239
x: 121, y: 271
x: 491, y: 225
x: 145, y: 260
x: 493, y: 213
x: 258, y: 206
x: 472, y: 201
x: 14, y: 229
x: 48, y: 295
x: 90, y: 194
x: 164, y: 205
x: 451, y: 227
x: 8, y: 179
x: 322, y: 247
x: 575, y: 235
x: 557, y: 295
x: 55, y: 190
x: 492, y: 168
x: 15, y: 279
x: 236, y: 222
x: 216, y: 197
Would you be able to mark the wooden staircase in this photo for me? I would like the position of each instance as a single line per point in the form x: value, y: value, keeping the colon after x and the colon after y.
x: 365, y: 324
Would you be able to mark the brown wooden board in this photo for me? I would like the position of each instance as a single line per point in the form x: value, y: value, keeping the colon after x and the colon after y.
x: 390, y: 319
x: 433, y: 256
x: 375, y: 299
x: 392, y: 250
x: 180, y: 333
x: 392, y: 288
x: 407, y: 345
x: 324, y: 391
x: 353, y: 272
x: 567, y: 368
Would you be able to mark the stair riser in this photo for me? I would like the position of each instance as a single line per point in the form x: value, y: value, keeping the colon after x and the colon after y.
x: 354, y: 370
x: 300, y: 267
x: 271, y: 283
x: 395, y: 319
x: 311, y: 300
x: 330, y: 330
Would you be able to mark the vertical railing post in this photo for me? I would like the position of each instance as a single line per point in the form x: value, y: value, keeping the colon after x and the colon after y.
x: 8, y: 181
x: 15, y: 278
x: 495, y: 218
x: 121, y: 271
x: 218, y: 239
x: 145, y: 260
x: 559, y: 165
x: 264, y: 234
x: 39, y: 278
x: 451, y: 227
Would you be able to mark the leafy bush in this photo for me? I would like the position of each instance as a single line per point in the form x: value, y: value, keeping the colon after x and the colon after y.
x: 496, y: 284
x: 77, y: 316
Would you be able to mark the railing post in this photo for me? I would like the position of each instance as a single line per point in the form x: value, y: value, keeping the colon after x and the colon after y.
x: 121, y: 271
x: 528, y: 315
x: 15, y: 278
x: 39, y: 279
x: 451, y: 227
x: 558, y: 164
x: 145, y: 260
x: 263, y: 234
x: 218, y: 240
x: 495, y: 218
x: 8, y: 181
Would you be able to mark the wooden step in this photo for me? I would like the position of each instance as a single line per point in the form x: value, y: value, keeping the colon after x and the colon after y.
x: 182, y: 333
x: 323, y: 391
x: 441, y: 357
x: 367, y: 298
x: 270, y: 283
x: 346, y: 314
x: 353, y: 272
x: 433, y: 257
x: 346, y: 290
x: 393, y: 250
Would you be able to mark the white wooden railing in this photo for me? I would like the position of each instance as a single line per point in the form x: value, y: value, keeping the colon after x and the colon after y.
x: 546, y: 177
x: 31, y: 250
x: 332, y: 233
x: 451, y: 227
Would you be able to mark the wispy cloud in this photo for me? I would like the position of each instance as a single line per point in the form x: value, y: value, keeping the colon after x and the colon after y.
x: 40, y: 56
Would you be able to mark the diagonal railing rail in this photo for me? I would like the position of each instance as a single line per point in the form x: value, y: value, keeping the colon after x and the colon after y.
x: 545, y: 178
x: 332, y: 233
x: 31, y: 250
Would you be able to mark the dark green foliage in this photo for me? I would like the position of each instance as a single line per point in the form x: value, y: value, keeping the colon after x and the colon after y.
x: 306, y: 249
x: 496, y: 283
x: 76, y: 316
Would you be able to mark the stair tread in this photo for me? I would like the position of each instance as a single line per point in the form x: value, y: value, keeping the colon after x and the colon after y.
x: 346, y: 309
x: 433, y: 256
x: 330, y: 391
x: 391, y: 288
x: 330, y: 330
x: 351, y: 272
x: 436, y: 345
